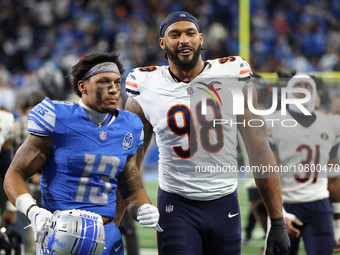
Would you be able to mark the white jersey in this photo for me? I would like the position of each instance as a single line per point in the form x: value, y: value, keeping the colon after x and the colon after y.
x: 301, y: 148
x: 191, y: 166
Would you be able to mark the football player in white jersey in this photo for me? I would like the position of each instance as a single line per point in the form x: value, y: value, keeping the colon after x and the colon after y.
x: 306, y: 149
x: 198, y: 207
x: 7, y: 128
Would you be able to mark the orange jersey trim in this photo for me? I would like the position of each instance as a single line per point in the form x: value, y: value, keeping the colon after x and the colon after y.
x: 244, y: 71
x: 131, y: 84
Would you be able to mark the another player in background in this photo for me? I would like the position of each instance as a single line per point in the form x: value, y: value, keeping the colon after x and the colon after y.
x: 6, y: 135
x: 199, y: 215
x: 308, y: 147
x: 85, y: 150
x: 7, y: 210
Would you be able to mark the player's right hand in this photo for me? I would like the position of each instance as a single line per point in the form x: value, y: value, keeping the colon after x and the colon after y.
x: 38, y: 217
x: 277, y: 242
x: 148, y: 216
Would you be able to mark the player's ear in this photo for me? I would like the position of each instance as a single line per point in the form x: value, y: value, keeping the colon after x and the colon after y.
x: 82, y: 87
x: 161, y: 43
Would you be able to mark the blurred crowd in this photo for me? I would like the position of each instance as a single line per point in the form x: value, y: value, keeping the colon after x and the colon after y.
x: 40, y: 40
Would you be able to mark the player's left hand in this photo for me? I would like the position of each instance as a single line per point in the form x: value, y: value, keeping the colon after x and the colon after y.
x: 337, y: 236
x: 148, y: 216
x: 278, y: 242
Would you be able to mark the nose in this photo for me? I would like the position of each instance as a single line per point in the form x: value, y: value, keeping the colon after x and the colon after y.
x: 112, y: 89
x: 184, y: 39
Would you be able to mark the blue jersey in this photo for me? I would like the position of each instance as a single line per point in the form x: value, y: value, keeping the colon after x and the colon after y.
x: 85, y: 160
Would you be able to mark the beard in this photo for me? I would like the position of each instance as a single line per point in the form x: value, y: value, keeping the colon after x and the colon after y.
x: 184, y: 65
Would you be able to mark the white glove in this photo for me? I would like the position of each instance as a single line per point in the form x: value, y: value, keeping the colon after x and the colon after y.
x: 39, y: 217
x: 148, y: 216
x: 337, y: 230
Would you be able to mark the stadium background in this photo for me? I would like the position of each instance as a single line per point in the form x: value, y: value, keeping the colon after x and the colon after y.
x: 40, y: 40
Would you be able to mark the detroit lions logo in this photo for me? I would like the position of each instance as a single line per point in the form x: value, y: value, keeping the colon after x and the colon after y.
x: 51, y: 241
x: 127, y: 141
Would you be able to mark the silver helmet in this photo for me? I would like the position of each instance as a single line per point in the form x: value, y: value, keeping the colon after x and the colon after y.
x: 73, y: 232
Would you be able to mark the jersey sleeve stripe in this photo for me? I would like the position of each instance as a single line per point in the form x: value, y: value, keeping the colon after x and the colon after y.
x: 244, y: 71
x: 133, y: 92
x: 48, y: 106
x: 38, y: 119
x: 36, y: 128
x: 42, y: 133
x: 131, y: 84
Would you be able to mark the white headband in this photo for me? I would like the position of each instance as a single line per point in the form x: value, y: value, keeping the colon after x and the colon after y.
x: 104, y: 67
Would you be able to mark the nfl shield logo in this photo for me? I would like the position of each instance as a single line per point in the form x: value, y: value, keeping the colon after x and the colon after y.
x: 127, y: 141
x: 169, y: 208
x: 190, y: 90
x: 102, y: 135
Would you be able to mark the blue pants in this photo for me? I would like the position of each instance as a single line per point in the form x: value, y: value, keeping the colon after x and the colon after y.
x: 317, y: 229
x: 113, y: 240
x: 198, y: 227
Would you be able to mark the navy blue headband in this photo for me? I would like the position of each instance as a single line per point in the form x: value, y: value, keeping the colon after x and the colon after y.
x: 177, y: 16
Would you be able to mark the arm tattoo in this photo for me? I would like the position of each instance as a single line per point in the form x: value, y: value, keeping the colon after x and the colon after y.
x: 32, y: 155
x: 129, y: 180
x: 133, y: 106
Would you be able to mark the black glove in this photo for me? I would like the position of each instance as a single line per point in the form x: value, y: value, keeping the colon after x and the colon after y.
x: 278, y: 242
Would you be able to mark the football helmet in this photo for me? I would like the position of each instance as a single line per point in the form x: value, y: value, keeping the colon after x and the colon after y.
x: 73, y: 232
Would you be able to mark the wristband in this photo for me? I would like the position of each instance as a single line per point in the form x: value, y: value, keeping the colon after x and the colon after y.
x: 336, y: 207
x: 24, y: 203
x: 277, y: 221
x: 29, y: 208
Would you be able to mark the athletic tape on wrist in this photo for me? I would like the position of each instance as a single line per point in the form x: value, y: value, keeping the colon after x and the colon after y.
x: 24, y: 203
x: 336, y: 207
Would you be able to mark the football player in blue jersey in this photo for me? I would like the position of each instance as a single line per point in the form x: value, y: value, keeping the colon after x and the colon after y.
x: 85, y: 150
